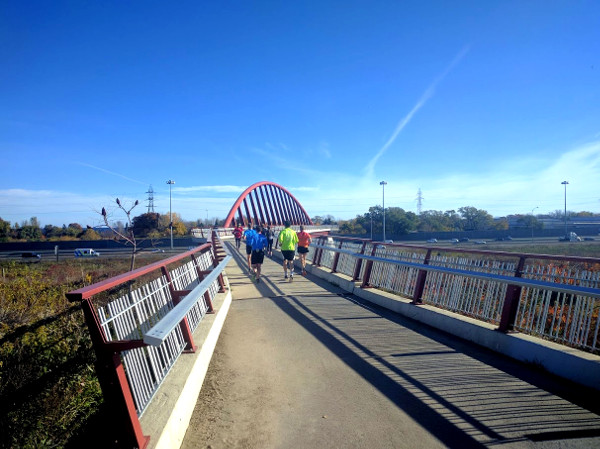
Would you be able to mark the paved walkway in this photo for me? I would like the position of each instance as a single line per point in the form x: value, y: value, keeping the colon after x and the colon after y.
x: 303, y: 365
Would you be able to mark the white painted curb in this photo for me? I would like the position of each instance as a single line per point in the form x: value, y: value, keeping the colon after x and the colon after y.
x: 174, y: 431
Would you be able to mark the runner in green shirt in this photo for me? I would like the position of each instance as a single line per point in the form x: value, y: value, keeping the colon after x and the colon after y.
x: 287, y: 242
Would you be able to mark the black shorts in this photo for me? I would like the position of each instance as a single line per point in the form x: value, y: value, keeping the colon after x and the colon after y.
x: 257, y: 257
x: 288, y: 255
x: 248, y: 249
x: 302, y: 250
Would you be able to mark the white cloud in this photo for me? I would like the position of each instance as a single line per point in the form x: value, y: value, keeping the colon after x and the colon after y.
x: 517, y: 186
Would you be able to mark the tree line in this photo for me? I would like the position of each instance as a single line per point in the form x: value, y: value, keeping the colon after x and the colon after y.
x: 468, y: 218
x: 148, y: 225
x: 398, y: 221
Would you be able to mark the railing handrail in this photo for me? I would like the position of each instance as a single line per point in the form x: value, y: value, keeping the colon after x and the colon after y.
x: 116, y: 339
x: 99, y: 287
x: 554, y: 299
x: 173, y: 318
x: 473, y: 251
x: 512, y: 280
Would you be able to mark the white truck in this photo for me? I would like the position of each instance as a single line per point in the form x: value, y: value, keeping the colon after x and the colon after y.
x: 570, y: 237
x: 86, y: 252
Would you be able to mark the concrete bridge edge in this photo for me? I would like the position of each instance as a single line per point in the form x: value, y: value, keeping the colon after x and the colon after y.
x: 577, y: 366
x: 168, y: 416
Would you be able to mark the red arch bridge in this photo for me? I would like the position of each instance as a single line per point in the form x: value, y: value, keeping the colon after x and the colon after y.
x: 266, y: 203
x: 522, y: 305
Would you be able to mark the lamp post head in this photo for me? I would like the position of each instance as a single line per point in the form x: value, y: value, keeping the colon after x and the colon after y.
x: 383, y: 183
x: 565, y: 183
x: 170, y: 182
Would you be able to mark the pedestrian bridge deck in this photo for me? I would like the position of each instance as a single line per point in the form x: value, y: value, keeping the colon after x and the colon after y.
x: 305, y: 364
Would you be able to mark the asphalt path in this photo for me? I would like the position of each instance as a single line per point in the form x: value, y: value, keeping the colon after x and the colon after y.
x: 302, y: 365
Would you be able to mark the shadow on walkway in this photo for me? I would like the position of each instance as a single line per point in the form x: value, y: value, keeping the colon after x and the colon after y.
x: 431, y: 388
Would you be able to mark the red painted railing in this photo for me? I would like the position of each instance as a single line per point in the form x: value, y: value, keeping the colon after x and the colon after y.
x: 554, y: 297
x: 109, y: 351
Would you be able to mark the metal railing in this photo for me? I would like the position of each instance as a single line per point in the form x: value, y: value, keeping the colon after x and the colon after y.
x: 138, y: 334
x: 551, y: 297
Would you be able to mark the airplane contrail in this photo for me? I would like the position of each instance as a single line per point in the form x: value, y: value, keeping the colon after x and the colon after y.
x: 111, y: 173
x: 426, y: 96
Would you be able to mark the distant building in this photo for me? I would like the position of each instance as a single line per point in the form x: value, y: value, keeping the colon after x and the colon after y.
x: 516, y: 222
x: 574, y: 222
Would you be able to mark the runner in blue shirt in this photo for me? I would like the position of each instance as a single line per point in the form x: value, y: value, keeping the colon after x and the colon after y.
x: 249, y: 237
x: 259, y: 243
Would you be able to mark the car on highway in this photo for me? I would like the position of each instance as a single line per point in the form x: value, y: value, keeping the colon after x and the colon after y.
x: 31, y: 256
x: 588, y: 239
x: 453, y: 240
x: 480, y: 242
x: 464, y: 239
x: 156, y: 250
x: 86, y: 252
x: 432, y: 241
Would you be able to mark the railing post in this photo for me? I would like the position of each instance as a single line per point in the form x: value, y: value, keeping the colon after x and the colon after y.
x: 511, y: 300
x: 319, y: 251
x: 368, y: 268
x: 113, y: 382
x: 421, y: 277
x: 358, y: 264
x: 336, y: 258
x: 184, y: 325
x: 201, y: 277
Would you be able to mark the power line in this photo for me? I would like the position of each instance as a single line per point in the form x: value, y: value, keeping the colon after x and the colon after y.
x: 150, y: 199
x: 419, y: 201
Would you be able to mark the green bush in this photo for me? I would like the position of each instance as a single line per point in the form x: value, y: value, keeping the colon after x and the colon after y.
x: 48, y: 386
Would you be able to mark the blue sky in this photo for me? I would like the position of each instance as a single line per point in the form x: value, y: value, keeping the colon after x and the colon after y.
x: 490, y: 104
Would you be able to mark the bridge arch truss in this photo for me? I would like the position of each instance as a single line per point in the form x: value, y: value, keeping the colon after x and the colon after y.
x: 266, y: 203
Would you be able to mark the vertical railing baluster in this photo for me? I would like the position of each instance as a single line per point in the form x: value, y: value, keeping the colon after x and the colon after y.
x: 511, y: 300
x: 420, y: 286
x: 336, y: 258
x: 368, y: 268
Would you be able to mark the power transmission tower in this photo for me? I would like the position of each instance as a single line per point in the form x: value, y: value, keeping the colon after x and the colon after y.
x: 150, y: 199
x: 419, y: 201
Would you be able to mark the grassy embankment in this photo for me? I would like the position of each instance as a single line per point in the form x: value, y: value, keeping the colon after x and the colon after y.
x: 48, y: 387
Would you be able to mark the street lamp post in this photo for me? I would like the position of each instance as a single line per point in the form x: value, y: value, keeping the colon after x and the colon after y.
x: 170, y: 182
x: 565, y: 184
x: 532, y: 222
x: 383, y: 184
x: 206, y: 217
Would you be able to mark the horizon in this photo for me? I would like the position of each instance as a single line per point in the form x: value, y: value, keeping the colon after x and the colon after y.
x: 485, y: 105
x: 113, y: 220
